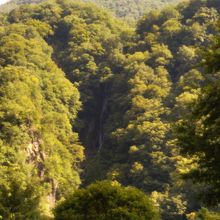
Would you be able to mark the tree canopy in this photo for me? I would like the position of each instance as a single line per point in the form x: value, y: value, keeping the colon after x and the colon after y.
x: 107, y: 200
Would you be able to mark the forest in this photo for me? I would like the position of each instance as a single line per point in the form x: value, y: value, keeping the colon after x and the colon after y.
x: 128, y: 10
x: 102, y: 118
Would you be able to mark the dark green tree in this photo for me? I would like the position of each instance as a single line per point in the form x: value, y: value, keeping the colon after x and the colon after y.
x: 107, y: 200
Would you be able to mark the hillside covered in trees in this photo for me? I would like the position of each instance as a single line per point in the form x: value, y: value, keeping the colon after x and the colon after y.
x: 129, y: 10
x: 87, y: 98
x: 132, y: 9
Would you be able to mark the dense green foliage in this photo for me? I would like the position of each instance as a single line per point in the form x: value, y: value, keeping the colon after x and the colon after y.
x: 107, y: 200
x: 71, y: 75
x: 38, y: 109
x: 198, y: 134
x: 162, y: 77
x: 204, y: 214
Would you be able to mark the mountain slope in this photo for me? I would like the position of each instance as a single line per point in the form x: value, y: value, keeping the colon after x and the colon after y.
x: 128, y: 87
x: 132, y: 9
x: 126, y: 9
